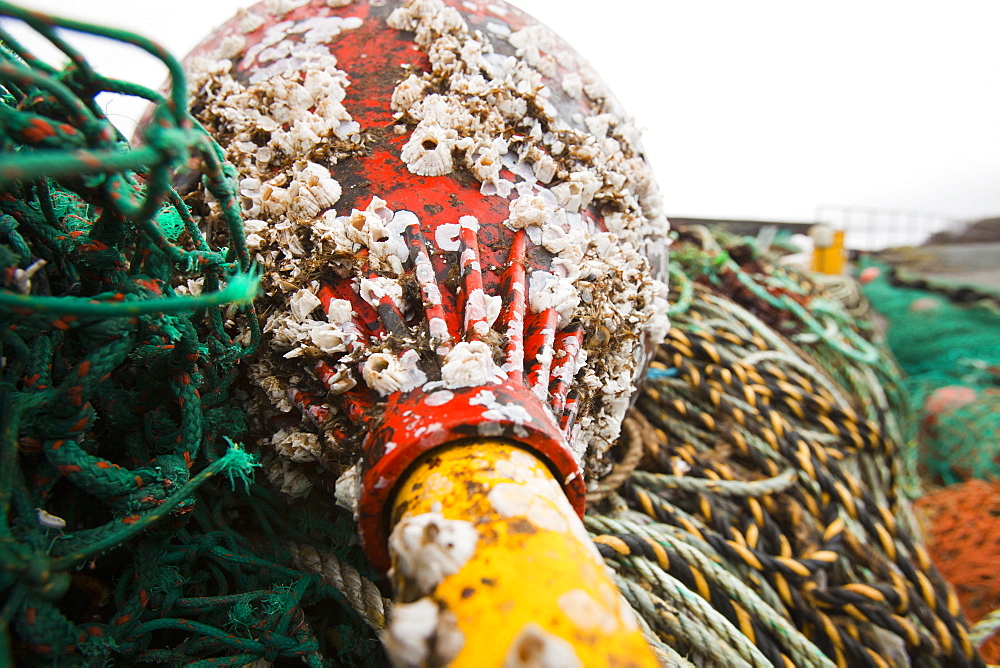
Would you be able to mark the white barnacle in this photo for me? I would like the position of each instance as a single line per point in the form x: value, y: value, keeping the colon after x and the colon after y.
x: 546, y: 290
x: 332, y: 230
x: 289, y: 478
x: 348, y: 489
x: 230, y: 47
x: 485, y: 161
x: 248, y: 20
x: 339, y: 311
x: 527, y: 210
x: 600, y: 124
x: 572, y: 84
x: 385, y: 373
x: 544, y: 166
x: 512, y: 108
x: 282, y: 7
x: 534, y: 646
x: 428, y: 152
x: 341, y: 381
x: 254, y: 241
x: 330, y: 338
x: 382, y: 373
x: 298, y: 446
x: 316, y: 191
x: 569, y: 244
x: 287, y: 334
x: 468, y: 364
x: 302, y: 303
x: 500, y: 187
x: 277, y: 392
x: 376, y: 229
x: 410, y: 635
x: 407, y: 92
x: 428, y: 547
x: 374, y: 289
x: 250, y: 191
x: 578, y: 192
x: 348, y: 129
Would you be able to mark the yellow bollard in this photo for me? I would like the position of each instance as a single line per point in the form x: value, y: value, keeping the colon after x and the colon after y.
x: 492, y: 567
x: 828, y: 252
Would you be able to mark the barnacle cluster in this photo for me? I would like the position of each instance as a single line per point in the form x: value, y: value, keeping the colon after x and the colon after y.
x: 563, y: 154
x: 486, y: 104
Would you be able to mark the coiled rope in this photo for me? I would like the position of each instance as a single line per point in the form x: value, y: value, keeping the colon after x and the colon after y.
x: 773, y: 458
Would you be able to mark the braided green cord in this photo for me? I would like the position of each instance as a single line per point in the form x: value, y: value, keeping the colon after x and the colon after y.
x: 121, y: 385
x: 241, y: 290
x: 800, y: 649
x: 178, y: 94
x: 704, y: 645
x: 641, y: 601
x: 775, y: 485
x: 985, y: 628
x: 235, y: 463
x: 854, y: 347
x: 683, y: 303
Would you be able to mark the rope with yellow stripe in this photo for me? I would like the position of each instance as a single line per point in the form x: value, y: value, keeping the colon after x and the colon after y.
x: 769, y: 486
x: 821, y: 464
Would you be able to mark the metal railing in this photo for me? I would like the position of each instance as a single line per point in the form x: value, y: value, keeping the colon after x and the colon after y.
x: 870, y: 229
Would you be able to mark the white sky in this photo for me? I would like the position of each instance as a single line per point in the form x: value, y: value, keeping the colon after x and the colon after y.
x: 766, y: 110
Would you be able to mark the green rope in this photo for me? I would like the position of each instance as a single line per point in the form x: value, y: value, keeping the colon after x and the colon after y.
x: 659, y: 482
x: 985, y: 628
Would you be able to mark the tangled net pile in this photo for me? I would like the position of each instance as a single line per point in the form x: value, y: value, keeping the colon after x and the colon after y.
x: 115, y: 544
x: 945, y: 338
x: 963, y: 536
x: 754, y: 517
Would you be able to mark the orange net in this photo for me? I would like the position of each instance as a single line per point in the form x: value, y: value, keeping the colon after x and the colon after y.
x: 962, y: 527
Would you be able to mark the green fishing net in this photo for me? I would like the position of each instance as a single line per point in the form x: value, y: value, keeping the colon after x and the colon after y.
x: 947, y: 340
x: 121, y: 330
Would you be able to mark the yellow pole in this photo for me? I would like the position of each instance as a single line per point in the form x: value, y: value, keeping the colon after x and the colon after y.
x: 492, y: 567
